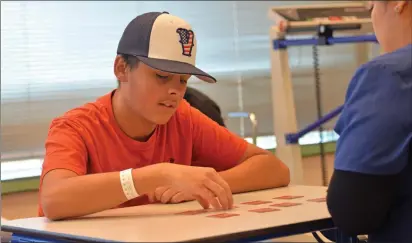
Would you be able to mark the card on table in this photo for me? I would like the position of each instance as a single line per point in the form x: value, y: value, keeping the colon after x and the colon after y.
x: 193, y: 212
x: 263, y: 210
x: 321, y: 199
x: 257, y: 202
x: 288, y: 197
x: 223, y: 215
x: 285, y: 204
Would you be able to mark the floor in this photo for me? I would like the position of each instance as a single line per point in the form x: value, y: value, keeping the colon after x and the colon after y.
x: 22, y: 205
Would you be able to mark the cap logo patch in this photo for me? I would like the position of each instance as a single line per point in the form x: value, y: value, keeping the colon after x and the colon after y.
x: 186, y: 39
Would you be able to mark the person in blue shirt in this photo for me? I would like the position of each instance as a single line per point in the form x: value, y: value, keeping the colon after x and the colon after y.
x: 370, y: 192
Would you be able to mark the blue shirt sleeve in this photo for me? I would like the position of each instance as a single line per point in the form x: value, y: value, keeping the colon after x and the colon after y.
x: 375, y: 126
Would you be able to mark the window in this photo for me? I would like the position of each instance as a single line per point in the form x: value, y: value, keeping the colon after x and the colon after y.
x: 57, y: 55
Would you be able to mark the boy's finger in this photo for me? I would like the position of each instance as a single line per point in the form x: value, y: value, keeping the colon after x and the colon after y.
x: 218, y: 192
x: 203, y: 202
x: 178, y: 197
x: 159, y: 192
x: 167, y: 195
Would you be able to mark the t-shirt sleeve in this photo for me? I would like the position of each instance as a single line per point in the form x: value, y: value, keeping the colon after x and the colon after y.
x: 375, y: 126
x: 213, y: 145
x: 65, y: 148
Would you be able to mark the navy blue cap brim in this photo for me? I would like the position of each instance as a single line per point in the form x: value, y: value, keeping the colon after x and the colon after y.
x: 176, y: 67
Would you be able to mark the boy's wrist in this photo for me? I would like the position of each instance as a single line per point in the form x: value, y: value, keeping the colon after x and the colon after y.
x: 148, y: 178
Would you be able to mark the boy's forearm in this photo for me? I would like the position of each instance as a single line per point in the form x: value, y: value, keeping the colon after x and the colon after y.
x: 256, y: 173
x: 82, y: 195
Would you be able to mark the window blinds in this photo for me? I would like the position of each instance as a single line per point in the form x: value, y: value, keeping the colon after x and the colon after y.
x: 56, y: 55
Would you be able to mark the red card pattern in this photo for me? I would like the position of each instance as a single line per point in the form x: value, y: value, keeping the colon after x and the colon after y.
x: 223, y: 215
x: 322, y: 199
x: 193, y: 212
x: 258, y: 202
x: 199, y: 211
x: 288, y: 197
x: 264, y: 210
x: 285, y: 204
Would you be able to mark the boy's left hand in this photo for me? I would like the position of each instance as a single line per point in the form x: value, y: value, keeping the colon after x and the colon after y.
x: 169, y: 195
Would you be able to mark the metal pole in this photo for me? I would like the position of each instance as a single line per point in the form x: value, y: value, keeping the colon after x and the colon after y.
x: 284, y: 110
x: 319, y: 113
x: 279, y: 44
x: 252, y: 118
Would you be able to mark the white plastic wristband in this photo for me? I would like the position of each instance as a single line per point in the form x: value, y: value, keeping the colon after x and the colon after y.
x: 126, y: 179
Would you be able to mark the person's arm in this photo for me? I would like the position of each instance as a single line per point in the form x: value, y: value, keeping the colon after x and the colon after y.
x: 359, y: 202
x: 375, y: 131
x: 244, y: 166
x: 66, y: 190
x: 258, y: 169
x: 65, y: 194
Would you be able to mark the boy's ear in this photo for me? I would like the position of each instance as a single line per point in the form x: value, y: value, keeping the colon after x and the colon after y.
x: 120, y: 69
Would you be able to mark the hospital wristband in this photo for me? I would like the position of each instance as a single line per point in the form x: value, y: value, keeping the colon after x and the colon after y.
x: 126, y: 180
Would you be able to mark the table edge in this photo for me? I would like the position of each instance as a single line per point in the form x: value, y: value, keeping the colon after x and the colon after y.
x: 272, y: 232
x: 252, y: 235
x: 51, y: 235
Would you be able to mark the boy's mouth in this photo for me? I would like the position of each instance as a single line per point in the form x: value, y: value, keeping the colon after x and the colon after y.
x: 168, y: 104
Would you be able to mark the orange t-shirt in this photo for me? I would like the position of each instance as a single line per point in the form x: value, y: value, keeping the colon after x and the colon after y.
x: 87, y: 140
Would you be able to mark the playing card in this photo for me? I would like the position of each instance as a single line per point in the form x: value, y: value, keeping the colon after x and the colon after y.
x: 258, y: 202
x: 285, y: 204
x: 223, y: 215
x: 322, y: 199
x: 288, y: 197
x: 193, y: 212
x: 264, y: 210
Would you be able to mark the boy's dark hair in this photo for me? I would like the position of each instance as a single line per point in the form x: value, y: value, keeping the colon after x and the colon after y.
x: 131, y: 62
x: 204, y: 104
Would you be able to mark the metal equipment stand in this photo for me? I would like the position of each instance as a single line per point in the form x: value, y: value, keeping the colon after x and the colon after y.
x: 323, y: 21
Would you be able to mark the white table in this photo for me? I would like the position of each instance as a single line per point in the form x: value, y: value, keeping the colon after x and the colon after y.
x: 159, y: 222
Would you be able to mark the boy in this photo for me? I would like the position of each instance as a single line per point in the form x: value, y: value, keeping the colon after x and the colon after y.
x: 142, y: 142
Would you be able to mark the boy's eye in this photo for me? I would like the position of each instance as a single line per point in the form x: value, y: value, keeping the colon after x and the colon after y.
x: 162, y: 77
x: 183, y: 81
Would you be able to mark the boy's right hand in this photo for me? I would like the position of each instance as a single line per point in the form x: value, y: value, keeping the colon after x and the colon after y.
x: 203, y: 183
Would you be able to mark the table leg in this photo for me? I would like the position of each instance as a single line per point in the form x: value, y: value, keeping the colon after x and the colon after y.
x: 342, y: 238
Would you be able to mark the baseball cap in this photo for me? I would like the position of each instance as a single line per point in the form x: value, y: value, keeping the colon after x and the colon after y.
x: 163, y: 42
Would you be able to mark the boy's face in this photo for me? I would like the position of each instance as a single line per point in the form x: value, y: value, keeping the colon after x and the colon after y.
x: 150, y: 93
